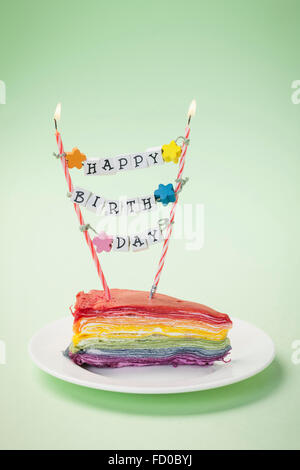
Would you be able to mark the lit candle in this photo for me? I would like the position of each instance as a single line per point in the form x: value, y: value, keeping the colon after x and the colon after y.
x: 191, y: 113
x: 76, y: 207
x: 57, y: 114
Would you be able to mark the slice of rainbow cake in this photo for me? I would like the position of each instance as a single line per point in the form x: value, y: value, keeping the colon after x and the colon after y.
x: 132, y: 330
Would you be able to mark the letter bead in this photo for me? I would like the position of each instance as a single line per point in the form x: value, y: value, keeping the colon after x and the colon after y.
x: 80, y: 196
x: 120, y: 243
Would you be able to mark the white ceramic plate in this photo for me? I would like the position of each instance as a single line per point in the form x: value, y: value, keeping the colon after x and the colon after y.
x: 252, y: 351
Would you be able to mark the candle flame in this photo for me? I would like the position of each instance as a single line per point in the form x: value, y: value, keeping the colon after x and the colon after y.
x: 192, y: 109
x: 57, y: 112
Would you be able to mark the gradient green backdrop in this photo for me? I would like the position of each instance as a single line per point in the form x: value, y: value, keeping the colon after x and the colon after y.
x: 125, y: 72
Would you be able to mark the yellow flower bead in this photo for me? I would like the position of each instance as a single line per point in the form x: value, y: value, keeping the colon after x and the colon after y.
x: 171, y: 152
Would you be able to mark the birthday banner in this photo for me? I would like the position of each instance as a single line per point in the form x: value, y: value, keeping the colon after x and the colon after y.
x: 99, y: 204
x: 110, y: 166
x: 135, y: 242
x: 164, y: 194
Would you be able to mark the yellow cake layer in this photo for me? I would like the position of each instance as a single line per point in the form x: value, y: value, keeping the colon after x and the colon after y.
x: 96, y: 330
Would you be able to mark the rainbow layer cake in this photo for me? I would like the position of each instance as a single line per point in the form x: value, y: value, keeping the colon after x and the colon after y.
x: 132, y: 330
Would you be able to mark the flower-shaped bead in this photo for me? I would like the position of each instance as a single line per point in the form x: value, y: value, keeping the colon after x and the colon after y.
x: 102, y: 242
x: 171, y: 152
x: 75, y: 158
x: 165, y: 194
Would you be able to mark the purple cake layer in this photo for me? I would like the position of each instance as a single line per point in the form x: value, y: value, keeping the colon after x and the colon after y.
x: 113, y: 361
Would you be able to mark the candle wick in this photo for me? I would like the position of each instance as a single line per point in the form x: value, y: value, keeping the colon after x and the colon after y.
x: 55, y: 123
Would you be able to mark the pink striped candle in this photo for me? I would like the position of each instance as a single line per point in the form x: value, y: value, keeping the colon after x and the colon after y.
x: 77, y: 208
x: 191, y: 112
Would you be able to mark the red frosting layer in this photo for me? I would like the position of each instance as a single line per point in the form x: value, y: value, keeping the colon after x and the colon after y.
x: 137, y: 302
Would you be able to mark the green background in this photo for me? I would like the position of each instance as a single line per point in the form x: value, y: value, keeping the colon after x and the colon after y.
x: 125, y: 73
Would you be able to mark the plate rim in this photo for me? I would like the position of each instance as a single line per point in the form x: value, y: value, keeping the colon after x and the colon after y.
x: 155, y: 390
